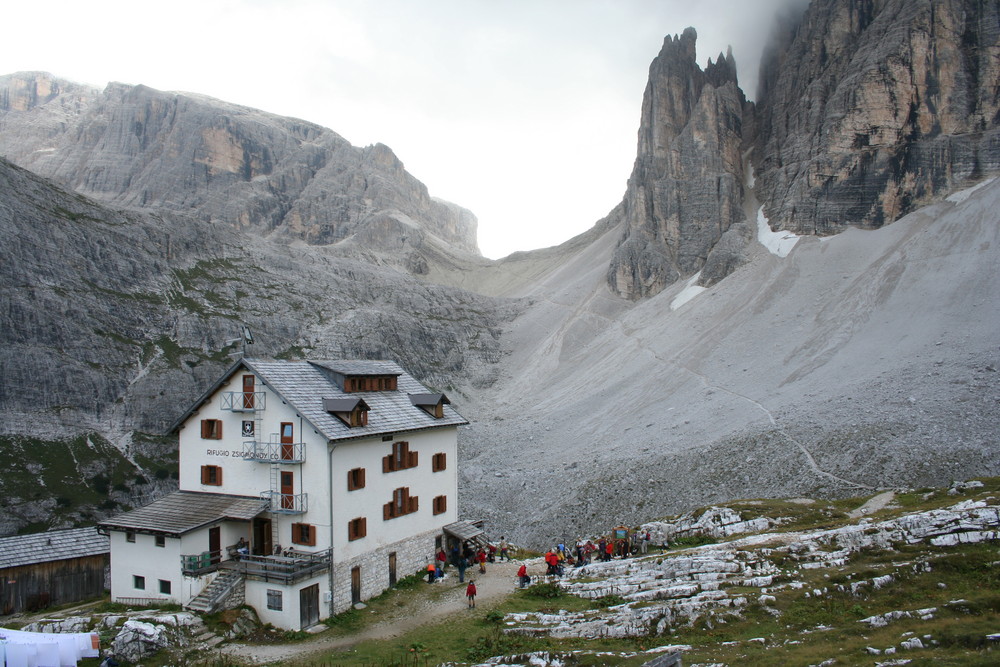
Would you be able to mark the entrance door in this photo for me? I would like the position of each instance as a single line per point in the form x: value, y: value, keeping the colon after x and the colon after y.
x: 287, y: 438
x: 248, y: 392
x: 215, y: 544
x: 355, y: 585
x: 287, y: 487
x: 309, y: 606
x: 392, y: 569
x: 262, y: 537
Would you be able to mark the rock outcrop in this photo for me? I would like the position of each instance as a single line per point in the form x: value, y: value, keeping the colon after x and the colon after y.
x: 685, y: 190
x: 870, y: 108
x: 142, y: 148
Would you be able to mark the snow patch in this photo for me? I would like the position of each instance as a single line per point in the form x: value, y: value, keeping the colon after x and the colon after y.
x: 689, y: 292
x: 778, y: 243
x: 962, y: 195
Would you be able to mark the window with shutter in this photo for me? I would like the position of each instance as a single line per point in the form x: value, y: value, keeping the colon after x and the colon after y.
x: 439, y: 462
x: 211, y: 475
x: 355, y: 479
x: 304, y: 533
x: 211, y: 429
x: 440, y: 504
x: 357, y: 528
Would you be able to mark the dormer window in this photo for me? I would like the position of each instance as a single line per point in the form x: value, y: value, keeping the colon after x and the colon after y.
x: 432, y: 404
x: 353, y: 383
x: 352, y: 411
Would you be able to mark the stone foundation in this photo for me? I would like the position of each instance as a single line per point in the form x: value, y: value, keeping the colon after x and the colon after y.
x: 412, y: 556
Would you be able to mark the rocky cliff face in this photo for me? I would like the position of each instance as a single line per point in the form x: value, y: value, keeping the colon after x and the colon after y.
x: 869, y: 108
x: 112, y: 321
x: 132, y: 146
x: 685, y: 191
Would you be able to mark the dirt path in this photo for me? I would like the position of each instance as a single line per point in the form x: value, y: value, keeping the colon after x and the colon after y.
x: 432, y: 606
x: 874, y: 504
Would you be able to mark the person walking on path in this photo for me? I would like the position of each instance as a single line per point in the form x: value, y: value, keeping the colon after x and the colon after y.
x: 522, y: 575
x: 470, y: 593
x: 462, y: 564
x: 481, y: 557
x: 503, y: 549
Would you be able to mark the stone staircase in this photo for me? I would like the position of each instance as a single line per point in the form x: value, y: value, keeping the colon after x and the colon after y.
x: 210, y: 599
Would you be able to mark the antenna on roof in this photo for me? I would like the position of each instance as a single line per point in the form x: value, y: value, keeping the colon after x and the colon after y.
x: 246, y: 338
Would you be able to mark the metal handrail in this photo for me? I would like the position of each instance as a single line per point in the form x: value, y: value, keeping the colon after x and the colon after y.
x: 195, y: 565
x: 243, y: 401
x: 286, y: 503
x: 274, y: 452
x: 294, y: 566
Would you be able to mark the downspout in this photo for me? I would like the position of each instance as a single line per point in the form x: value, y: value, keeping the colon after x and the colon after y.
x: 329, y: 489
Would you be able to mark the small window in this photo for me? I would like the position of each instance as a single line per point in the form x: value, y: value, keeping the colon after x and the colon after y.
x: 273, y: 599
x: 138, y: 583
x: 355, y: 479
x: 304, y: 533
x: 161, y: 541
x: 164, y: 586
x: 211, y: 475
x: 130, y: 536
x: 439, y: 462
x: 357, y: 528
x: 211, y: 429
x: 440, y: 504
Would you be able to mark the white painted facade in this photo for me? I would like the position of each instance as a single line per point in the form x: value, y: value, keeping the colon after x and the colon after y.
x: 312, y: 490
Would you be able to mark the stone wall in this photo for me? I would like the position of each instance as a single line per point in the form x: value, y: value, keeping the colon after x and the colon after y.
x: 412, y: 556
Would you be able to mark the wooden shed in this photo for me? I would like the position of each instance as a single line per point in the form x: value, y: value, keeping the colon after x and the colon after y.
x: 55, y: 567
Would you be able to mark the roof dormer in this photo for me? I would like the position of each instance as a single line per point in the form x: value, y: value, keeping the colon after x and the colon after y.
x: 432, y: 404
x: 352, y: 411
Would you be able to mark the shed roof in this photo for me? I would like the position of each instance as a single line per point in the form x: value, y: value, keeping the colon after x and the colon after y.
x: 52, y: 545
x: 184, y: 511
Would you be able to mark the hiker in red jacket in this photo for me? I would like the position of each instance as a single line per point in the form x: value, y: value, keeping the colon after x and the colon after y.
x: 470, y: 593
x: 522, y: 574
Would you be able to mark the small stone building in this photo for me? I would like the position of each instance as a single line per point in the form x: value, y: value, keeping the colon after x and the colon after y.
x: 55, y: 567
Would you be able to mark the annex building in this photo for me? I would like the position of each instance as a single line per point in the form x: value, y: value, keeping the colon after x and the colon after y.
x: 305, y: 487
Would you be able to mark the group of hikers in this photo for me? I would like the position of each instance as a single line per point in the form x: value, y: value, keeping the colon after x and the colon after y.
x: 465, y: 557
x: 621, y: 543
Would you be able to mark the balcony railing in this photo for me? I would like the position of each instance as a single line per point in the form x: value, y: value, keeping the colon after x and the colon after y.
x: 274, y: 452
x: 288, y: 568
x: 195, y: 565
x: 243, y: 401
x: 286, y: 503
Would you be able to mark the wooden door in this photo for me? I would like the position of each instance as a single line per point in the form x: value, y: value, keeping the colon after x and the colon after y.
x: 392, y: 569
x: 248, y: 392
x: 355, y: 585
x: 287, y: 489
x: 287, y: 438
x: 309, y: 606
x: 262, y: 545
x: 215, y: 544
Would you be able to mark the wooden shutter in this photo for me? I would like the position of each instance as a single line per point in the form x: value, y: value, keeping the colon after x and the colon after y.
x: 412, y: 504
x: 411, y: 459
x: 387, y: 511
x: 387, y: 463
x: 363, y: 527
x: 204, y: 469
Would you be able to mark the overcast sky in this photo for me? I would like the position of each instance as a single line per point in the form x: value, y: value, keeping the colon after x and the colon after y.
x: 523, y: 111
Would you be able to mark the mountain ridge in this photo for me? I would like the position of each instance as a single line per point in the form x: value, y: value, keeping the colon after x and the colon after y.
x: 783, y: 375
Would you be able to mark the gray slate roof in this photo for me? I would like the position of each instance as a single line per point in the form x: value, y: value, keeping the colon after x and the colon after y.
x: 50, y: 546
x: 184, y: 511
x: 304, y: 385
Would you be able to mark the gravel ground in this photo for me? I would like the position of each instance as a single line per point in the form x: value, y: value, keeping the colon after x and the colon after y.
x: 500, y: 580
x: 863, y: 362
